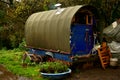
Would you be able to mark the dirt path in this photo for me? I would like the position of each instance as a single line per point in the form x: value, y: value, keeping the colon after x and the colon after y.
x: 96, y: 74
x: 6, y: 75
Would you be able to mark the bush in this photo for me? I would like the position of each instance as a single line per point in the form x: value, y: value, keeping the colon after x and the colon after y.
x: 53, y: 67
x: 22, y: 45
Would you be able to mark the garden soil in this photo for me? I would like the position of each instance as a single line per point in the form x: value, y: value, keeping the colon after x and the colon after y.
x: 91, y: 73
x: 96, y: 74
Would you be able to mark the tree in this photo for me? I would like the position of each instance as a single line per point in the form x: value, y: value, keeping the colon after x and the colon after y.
x: 13, y: 18
x: 13, y: 15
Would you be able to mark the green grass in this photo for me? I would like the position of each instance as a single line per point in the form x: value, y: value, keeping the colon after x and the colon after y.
x: 12, y: 59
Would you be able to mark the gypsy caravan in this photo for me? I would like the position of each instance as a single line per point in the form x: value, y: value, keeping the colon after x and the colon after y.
x: 62, y: 33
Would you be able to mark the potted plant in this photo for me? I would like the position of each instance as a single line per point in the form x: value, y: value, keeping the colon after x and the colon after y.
x: 54, y: 70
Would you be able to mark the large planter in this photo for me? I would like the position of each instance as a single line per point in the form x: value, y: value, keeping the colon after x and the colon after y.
x: 56, y: 76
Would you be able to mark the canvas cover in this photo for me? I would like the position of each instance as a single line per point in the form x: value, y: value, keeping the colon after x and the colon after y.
x: 49, y: 30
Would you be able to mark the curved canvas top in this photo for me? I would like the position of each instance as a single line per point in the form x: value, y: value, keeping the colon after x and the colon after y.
x: 50, y: 30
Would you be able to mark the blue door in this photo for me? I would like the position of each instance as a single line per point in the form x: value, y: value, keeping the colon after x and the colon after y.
x: 81, y: 39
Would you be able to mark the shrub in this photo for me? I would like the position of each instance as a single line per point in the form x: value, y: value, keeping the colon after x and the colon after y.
x: 53, y: 67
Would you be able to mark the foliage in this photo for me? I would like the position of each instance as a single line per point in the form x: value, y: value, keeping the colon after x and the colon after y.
x: 108, y: 8
x: 12, y: 61
x: 2, y: 14
x: 73, y: 2
x: 27, y: 7
x: 53, y: 67
x: 22, y: 45
x: 13, y: 18
x: 22, y: 11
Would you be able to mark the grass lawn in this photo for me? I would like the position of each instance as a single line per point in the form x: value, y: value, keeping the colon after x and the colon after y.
x: 12, y: 60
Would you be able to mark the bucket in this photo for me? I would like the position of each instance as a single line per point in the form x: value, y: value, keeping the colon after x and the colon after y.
x: 113, y: 62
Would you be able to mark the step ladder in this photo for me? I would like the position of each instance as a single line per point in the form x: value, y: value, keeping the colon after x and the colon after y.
x: 104, y: 55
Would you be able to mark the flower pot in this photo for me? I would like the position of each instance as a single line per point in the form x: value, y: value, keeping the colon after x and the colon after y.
x: 56, y: 76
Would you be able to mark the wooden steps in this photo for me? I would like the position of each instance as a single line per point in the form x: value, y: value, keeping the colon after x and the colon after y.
x: 104, y: 55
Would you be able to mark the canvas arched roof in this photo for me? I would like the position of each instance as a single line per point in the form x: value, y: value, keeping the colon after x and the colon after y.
x: 49, y: 30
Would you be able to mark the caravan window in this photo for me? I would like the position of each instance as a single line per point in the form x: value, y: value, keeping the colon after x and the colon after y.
x: 83, y: 17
